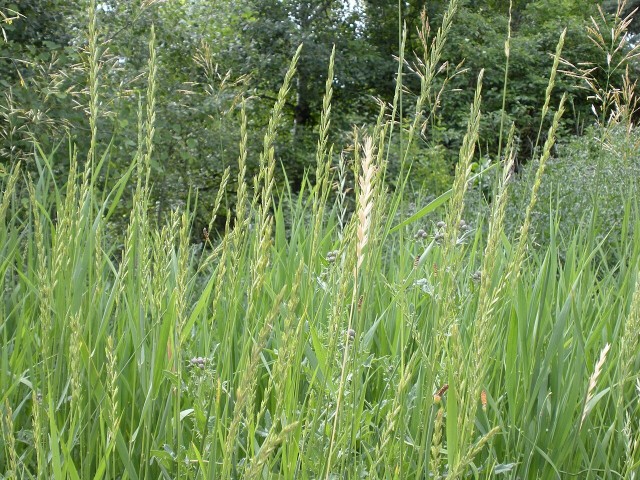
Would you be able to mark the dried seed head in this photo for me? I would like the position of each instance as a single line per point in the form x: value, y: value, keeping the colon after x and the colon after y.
x: 438, y: 237
x: 443, y: 389
x: 437, y: 398
x: 425, y: 285
x: 351, y: 333
x: 441, y: 224
x: 331, y: 256
x: 476, y: 276
x: 198, y: 362
x: 420, y: 234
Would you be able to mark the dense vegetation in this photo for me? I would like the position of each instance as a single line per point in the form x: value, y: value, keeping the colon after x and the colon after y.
x: 211, y: 56
x: 207, y: 271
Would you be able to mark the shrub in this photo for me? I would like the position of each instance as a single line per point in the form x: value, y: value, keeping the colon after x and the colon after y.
x: 589, y: 180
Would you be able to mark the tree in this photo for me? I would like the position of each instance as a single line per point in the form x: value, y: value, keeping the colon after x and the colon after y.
x: 477, y: 40
x: 267, y: 35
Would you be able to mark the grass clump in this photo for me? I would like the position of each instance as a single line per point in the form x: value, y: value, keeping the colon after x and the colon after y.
x: 308, y: 342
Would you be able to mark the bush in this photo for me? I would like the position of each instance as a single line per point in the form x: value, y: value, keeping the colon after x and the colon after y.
x: 589, y: 180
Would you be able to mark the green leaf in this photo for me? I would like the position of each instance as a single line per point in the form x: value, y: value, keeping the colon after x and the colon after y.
x: 436, y: 203
x: 504, y: 468
x: 185, y: 413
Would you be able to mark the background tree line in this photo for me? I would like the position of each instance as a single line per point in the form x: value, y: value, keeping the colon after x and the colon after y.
x: 213, y: 54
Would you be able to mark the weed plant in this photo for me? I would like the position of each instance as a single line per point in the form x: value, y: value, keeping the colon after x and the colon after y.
x: 306, y: 342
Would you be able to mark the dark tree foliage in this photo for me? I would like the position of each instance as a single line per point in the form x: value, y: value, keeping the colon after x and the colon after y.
x: 42, y: 23
x: 32, y: 59
x: 212, y: 54
x: 477, y: 42
x: 270, y: 32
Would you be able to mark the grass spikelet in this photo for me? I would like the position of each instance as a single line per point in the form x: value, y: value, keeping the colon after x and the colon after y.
x: 365, y: 203
x: 447, y: 306
x: 219, y: 196
x: 491, y: 291
x: 8, y: 192
x: 9, y: 440
x: 267, y: 157
x: 507, y: 54
x: 365, y: 198
x: 323, y: 151
x: 94, y: 94
x: 518, y: 256
x: 626, y: 104
x: 324, y: 154
x: 471, y: 454
x: 245, y: 396
x: 427, y: 68
x: 286, y: 364
x: 551, y: 84
x: 161, y: 253
x: 75, y: 343
x: 392, y: 429
x: 38, y: 435
x: 486, y: 298
x: 113, y: 408
x: 182, y: 272
x: 98, y: 261
x: 341, y: 195
x: 593, y: 381
x: 631, y: 433
x: 272, y: 441
x: 180, y: 294
x: 463, y: 170
x: 112, y: 386
x: 70, y: 219
x: 150, y: 122
x: 436, y: 444
x: 241, y: 194
x: 44, y: 282
x: 629, y: 343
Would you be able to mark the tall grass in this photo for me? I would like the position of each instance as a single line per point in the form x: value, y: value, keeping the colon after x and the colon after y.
x: 309, y: 346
